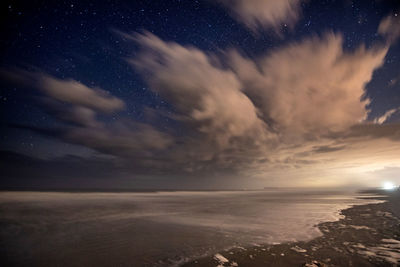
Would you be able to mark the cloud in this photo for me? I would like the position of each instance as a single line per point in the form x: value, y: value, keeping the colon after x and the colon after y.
x: 386, y: 116
x: 275, y: 95
x: 296, y: 110
x: 77, y: 107
x: 264, y: 13
x: 206, y: 96
x: 25, y: 172
x: 312, y: 87
x: 390, y: 28
x: 76, y: 93
x: 126, y: 139
x: 67, y: 90
x: 77, y: 115
x: 328, y: 148
x: 372, y: 130
x: 301, y: 104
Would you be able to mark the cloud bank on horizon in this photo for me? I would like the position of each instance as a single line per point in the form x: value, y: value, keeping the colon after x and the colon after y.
x: 299, y: 110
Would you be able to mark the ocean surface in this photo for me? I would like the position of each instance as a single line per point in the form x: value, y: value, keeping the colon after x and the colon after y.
x: 155, y: 228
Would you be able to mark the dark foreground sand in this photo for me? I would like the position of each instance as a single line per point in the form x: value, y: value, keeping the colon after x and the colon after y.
x: 368, y: 235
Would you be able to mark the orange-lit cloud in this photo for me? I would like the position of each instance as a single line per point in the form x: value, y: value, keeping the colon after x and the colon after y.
x: 312, y: 87
x: 205, y: 95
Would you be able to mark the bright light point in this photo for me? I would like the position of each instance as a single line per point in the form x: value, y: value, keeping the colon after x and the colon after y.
x: 388, y: 186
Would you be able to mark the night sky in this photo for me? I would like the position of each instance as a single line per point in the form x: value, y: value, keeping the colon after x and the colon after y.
x: 199, y: 94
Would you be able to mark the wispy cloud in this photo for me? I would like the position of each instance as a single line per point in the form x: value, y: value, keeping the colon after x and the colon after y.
x: 386, y: 116
x: 77, y: 106
x: 267, y: 14
x: 67, y: 90
x: 390, y: 28
x: 76, y: 93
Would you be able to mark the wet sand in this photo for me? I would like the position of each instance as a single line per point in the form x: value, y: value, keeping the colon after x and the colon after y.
x: 367, y: 235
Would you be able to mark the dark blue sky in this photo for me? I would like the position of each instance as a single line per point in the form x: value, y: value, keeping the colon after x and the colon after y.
x: 82, y: 40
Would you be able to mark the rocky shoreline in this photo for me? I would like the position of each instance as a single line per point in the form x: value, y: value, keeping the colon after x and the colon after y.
x: 367, y: 235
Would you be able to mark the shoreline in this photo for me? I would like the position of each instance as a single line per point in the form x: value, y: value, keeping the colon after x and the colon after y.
x: 367, y: 235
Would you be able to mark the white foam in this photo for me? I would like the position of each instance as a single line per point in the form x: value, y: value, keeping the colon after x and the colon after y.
x: 298, y: 249
x: 360, y: 227
x: 388, y: 251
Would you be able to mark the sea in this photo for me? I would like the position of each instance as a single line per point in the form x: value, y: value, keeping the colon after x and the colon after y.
x: 156, y: 228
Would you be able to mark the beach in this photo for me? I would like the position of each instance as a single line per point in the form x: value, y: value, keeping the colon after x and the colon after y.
x: 223, y: 228
x: 367, y: 235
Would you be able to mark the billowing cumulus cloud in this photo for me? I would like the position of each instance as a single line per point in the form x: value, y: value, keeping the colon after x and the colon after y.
x: 306, y: 97
x: 264, y: 13
x: 312, y: 87
x: 277, y: 94
x: 205, y: 95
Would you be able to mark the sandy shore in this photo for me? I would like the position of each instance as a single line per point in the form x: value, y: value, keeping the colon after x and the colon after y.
x: 367, y: 235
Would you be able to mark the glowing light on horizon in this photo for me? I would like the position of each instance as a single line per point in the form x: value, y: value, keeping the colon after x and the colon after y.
x: 389, y: 186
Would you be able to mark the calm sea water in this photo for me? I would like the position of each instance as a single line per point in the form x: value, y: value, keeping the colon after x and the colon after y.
x: 150, y: 229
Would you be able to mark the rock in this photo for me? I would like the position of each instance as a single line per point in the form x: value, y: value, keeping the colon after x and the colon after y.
x: 314, y: 264
x: 221, y: 259
x: 298, y: 249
